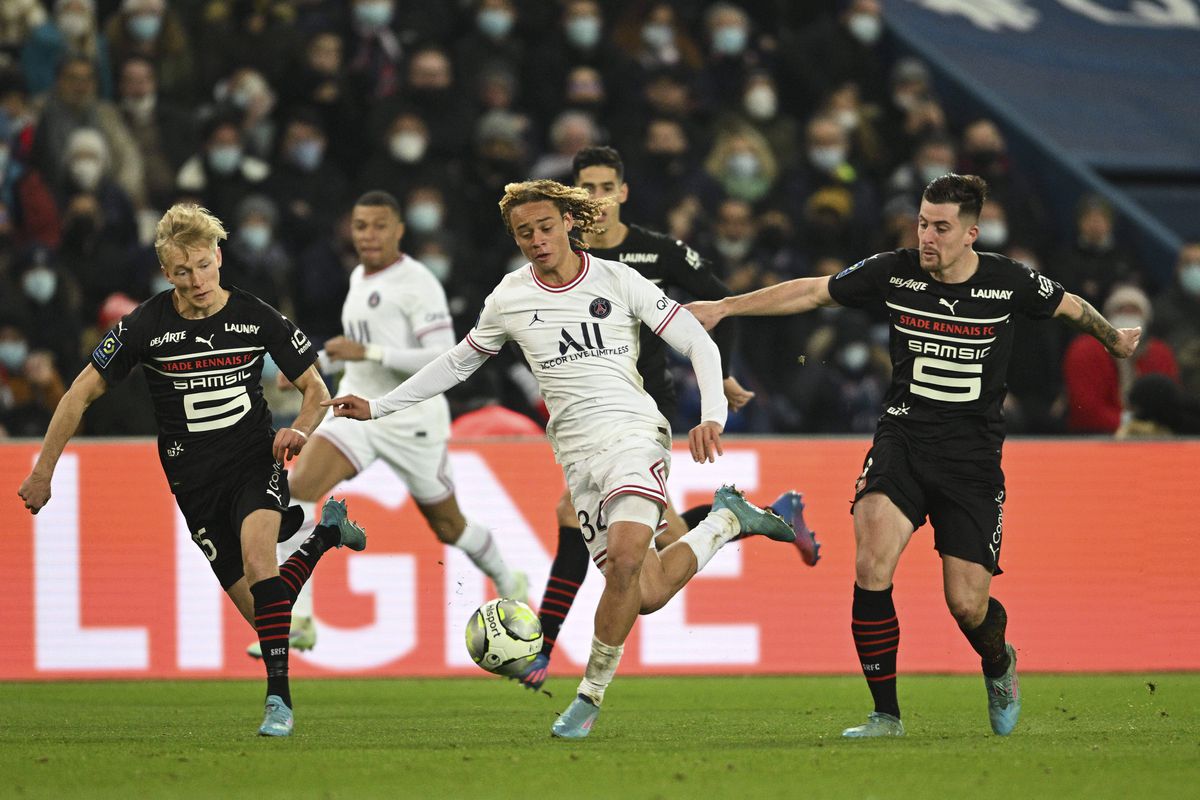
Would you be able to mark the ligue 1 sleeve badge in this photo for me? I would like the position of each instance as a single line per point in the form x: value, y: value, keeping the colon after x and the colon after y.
x: 373, y: 299
x: 600, y: 308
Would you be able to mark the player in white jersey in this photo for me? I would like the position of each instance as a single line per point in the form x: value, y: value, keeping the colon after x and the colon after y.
x: 395, y: 321
x: 576, y: 319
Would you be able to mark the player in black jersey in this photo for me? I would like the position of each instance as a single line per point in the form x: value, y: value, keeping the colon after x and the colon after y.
x: 670, y: 264
x: 202, y: 346
x: 936, y: 452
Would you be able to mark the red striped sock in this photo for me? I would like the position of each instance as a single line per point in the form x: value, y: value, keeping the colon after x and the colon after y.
x: 566, y: 576
x: 877, y: 639
x: 273, y: 621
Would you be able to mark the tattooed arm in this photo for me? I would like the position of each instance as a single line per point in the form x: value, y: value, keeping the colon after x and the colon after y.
x: 1080, y: 314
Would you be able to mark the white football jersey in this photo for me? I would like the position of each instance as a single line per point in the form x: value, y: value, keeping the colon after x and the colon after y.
x: 581, y: 341
x: 395, y: 307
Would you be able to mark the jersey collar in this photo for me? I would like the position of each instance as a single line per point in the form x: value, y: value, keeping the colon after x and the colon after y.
x: 566, y: 287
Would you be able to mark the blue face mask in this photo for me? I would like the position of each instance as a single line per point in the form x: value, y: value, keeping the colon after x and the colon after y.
x: 729, y: 40
x: 583, y: 32
x: 1189, y: 278
x: 657, y: 35
x: 145, y: 27
x: 494, y: 23
x: 225, y: 159
x: 743, y: 165
x: 307, y: 154
x: 13, y: 355
x: 255, y: 237
x: 373, y: 15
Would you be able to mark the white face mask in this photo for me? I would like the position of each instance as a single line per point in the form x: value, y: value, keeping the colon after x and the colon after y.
x: 827, y: 159
x: 867, y: 28
x: 657, y: 35
x: 743, y: 165
x: 86, y: 172
x: 39, y: 283
x: 855, y: 356
x: 139, y: 108
x: 584, y: 31
x: 1127, y: 320
x: 993, y: 233
x: 732, y: 249
x: 255, y: 237
x: 424, y: 217
x: 1189, y: 278
x: 438, y: 264
x: 847, y: 118
x: 761, y: 102
x: 931, y: 172
x: 408, y: 147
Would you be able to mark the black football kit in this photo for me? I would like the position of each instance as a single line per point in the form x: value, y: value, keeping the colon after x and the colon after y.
x: 214, y: 427
x: 937, y: 448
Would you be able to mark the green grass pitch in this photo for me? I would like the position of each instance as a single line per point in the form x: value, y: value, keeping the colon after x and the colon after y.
x: 1110, y: 736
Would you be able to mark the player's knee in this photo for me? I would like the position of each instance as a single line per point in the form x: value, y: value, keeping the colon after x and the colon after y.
x: 259, y: 569
x: 447, y: 530
x: 623, y: 569
x: 565, y: 511
x: 967, y: 612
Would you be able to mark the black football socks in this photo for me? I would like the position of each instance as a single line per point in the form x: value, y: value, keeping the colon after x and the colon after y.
x: 692, y: 517
x: 988, y: 639
x: 300, y: 565
x: 273, y: 621
x: 877, y: 638
x: 566, y: 576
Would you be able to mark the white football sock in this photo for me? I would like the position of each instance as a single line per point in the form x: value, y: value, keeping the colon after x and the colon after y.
x: 303, y: 607
x: 480, y: 546
x: 601, y: 667
x: 710, y: 535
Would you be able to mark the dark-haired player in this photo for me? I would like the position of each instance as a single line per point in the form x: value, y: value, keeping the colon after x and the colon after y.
x: 669, y: 264
x: 394, y: 321
x: 936, y: 451
x: 202, y: 346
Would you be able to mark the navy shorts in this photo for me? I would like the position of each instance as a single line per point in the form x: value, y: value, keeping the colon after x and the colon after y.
x: 964, y: 500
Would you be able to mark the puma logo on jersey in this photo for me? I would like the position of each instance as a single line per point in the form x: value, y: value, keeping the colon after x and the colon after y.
x: 207, y: 341
x: 950, y: 304
x: 536, y: 318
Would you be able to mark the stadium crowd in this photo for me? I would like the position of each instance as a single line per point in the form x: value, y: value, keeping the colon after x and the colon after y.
x: 778, y: 139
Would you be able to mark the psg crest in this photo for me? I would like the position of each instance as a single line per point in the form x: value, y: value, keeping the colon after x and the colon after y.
x: 373, y: 300
x: 600, y: 308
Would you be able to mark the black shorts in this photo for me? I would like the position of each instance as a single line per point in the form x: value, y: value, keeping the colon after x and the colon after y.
x: 964, y: 500
x: 214, y: 514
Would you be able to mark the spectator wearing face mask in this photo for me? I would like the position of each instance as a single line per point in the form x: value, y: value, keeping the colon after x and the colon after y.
x: 741, y: 166
x: 734, y: 53
x: 220, y: 175
x: 18, y: 20
x: 86, y: 170
x: 150, y: 30
x: 402, y: 159
x: 71, y: 32
x: 845, y: 376
x: 653, y: 38
x: 861, y: 121
x: 933, y: 158
x: 30, y: 385
x: 1177, y: 316
x: 374, y: 56
x: 839, y: 48
x: 581, y: 39
x: 490, y: 42
x: 1095, y: 261
x: 74, y: 104
x: 254, y: 260
x: 760, y: 111
x: 322, y: 82
x: 1097, y: 385
x: 165, y: 134
x: 51, y: 306
x: 309, y: 190
x: 984, y: 152
x: 433, y: 90
x: 570, y: 132
x: 96, y: 251
x: 246, y: 95
x: 259, y: 35
x: 827, y: 166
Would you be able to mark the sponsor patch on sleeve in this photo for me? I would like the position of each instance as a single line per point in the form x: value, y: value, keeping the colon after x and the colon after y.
x: 849, y: 269
x: 107, y: 348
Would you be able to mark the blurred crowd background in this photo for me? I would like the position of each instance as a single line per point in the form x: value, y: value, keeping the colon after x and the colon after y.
x: 779, y: 139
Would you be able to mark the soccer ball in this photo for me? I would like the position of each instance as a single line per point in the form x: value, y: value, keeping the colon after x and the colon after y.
x: 503, y: 636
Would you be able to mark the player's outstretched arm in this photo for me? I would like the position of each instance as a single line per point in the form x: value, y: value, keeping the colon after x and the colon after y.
x: 444, y: 372
x: 790, y: 297
x: 684, y: 334
x: 1079, y: 313
x: 87, y: 386
x: 290, y: 441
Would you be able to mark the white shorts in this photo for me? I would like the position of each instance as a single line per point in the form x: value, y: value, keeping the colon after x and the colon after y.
x: 633, y: 465
x: 420, y: 462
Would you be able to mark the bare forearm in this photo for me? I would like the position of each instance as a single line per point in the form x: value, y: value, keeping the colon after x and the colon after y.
x: 311, y: 411
x: 790, y: 297
x: 1081, y: 315
x: 63, y: 426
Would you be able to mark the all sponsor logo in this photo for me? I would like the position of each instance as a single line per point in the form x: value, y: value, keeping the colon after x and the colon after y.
x: 600, y: 308
x: 168, y: 338
x: 588, y: 342
x: 108, y: 347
